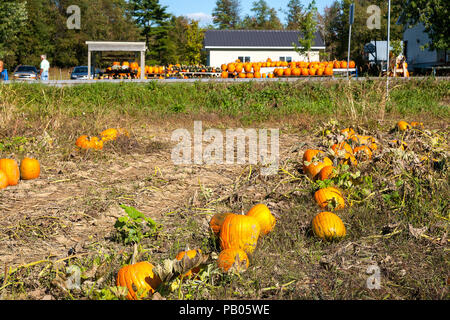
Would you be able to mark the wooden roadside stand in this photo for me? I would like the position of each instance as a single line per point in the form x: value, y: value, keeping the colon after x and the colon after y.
x: 117, y: 46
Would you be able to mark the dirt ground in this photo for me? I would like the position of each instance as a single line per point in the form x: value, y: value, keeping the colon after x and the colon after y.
x: 76, y: 199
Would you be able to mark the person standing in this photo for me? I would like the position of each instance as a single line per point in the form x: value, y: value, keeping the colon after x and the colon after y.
x: 45, y: 66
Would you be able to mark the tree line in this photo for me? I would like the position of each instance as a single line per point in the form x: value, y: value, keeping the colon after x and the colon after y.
x: 29, y: 28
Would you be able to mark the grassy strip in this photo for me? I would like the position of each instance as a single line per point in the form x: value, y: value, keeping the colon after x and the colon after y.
x: 248, y: 101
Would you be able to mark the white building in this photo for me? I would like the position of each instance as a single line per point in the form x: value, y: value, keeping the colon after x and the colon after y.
x: 414, y: 38
x: 225, y: 46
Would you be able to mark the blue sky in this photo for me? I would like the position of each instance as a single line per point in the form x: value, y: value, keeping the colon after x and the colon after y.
x: 202, y: 9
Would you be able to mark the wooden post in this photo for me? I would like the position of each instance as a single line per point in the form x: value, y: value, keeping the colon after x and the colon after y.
x: 142, y: 65
x: 89, y: 64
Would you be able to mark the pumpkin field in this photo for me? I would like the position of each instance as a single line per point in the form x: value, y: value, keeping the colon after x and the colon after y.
x: 93, y: 208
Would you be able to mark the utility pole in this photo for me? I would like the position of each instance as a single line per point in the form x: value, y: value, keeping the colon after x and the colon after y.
x: 351, y: 20
x: 387, y: 49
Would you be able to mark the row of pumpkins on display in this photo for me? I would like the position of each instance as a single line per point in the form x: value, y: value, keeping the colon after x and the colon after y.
x: 239, y: 69
x: 132, y: 70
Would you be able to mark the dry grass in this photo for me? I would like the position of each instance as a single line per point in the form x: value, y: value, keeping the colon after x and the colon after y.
x: 67, y: 216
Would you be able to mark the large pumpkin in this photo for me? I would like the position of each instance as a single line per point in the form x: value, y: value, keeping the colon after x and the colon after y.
x: 329, y: 196
x: 3, y: 180
x: 232, y: 257
x: 328, y: 226
x: 137, y: 278
x: 265, y: 218
x: 217, y: 220
x: 29, y: 169
x: 11, y: 169
x: 239, y: 231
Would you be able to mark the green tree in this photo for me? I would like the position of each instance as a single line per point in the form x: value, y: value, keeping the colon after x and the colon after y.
x: 13, y: 17
x: 307, y: 27
x: 226, y: 14
x: 293, y: 14
x: 153, y: 20
x: 264, y: 17
x: 434, y: 15
x: 337, y: 26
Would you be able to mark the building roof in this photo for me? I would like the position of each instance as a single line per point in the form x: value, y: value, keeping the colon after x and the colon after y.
x: 256, y: 39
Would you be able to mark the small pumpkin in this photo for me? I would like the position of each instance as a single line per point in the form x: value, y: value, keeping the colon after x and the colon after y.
x: 138, y: 277
x: 328, y: 226
x: 3, y: 180
x: 415, y: 124
x: 109, y: 134
x: 329, y: 196
x: 312, y: 156
x: 11, y: 169
x: 265, y: 218
x: 239, y: 231
x: 29, y: 169
x: 232, y: 257
x: 191, y: 254
x: 403, y: 125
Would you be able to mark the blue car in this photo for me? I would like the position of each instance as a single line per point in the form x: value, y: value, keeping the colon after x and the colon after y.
x: 81, y: 73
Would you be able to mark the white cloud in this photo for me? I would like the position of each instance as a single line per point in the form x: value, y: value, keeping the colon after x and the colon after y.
x: 204, y: 18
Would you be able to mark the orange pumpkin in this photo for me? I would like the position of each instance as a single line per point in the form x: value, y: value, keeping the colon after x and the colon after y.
x: 224, y: 74
x: 239, y: 67
x: 315, y: 165
x: 305, y: 72
x: 265, y: 218
x: 3, y: 180
x: 137, y: 278
x: 231, y: 67
x: 29, y: 169
x: 330, y: 197
x: 239, y: 231
x: 224, y: 67
x: 343, y: 64
x: 325, y: 173
x: 352, y: 64
x: 250, y: 75
x: 11, y: 169
x: 287, y: 72
x: 232, y: 257
x: 328, y: 226
x: 216, y: 222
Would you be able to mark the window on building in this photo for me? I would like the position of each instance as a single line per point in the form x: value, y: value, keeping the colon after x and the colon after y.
x: 282, y: 59
x: 241, y: 59
x: 247, y: 59
x: 289, y: 59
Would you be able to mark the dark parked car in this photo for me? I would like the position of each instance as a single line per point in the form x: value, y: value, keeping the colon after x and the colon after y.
x: 81, y: 73
x: 26, y: 73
